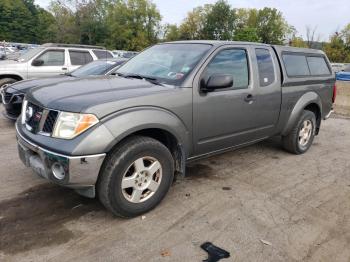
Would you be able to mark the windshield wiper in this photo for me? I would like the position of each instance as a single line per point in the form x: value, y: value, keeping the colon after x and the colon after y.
x: 137, y: 76
x: 69, y: 74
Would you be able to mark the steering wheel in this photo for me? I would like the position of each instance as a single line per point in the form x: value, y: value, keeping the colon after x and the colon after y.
x: 172, y: 74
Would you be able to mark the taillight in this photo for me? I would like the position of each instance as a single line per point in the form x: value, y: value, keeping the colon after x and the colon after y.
x: 334, y: 93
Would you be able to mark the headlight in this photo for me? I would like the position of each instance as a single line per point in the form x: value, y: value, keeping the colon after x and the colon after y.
x: 69, y: 125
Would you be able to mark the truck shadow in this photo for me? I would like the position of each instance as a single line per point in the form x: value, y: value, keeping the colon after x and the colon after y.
x: 207, y: 168
x: 36, y: 217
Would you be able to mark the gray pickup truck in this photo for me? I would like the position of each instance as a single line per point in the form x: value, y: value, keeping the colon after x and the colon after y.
x: 124, y: 138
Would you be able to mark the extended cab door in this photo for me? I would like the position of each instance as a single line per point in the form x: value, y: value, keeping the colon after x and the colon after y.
x: 243, y: 113
x: 49, y: 63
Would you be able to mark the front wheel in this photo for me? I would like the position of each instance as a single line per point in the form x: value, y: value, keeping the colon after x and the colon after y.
x: 300, y: 139
x: 6, y: 81
x: 136, y: 176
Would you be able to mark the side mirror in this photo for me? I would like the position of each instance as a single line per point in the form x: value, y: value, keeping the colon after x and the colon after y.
x: 217, y: 81
x: 37, y: 62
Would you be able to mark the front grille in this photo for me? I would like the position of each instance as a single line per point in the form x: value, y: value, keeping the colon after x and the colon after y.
x: 39, y: 119
x: 50, y: 121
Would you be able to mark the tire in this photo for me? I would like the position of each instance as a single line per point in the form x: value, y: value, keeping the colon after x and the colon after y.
x: 6, y: 81
x: 295, y: 144
x: 121, y: 168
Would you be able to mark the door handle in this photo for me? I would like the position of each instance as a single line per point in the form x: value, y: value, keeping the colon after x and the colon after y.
x: 64, y: 68
x: 249, y: 98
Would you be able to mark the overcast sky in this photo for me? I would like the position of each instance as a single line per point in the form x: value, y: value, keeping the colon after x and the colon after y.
x: 328, y: 15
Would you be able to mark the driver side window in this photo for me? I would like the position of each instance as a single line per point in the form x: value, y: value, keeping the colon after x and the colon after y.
x: 52, y: 58
x: 230, y: 62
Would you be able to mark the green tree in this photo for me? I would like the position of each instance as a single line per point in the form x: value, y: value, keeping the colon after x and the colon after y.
x: 67, y: 31
x: 249, y: 34
x: 46, y: 29
x: 272, y: 27
x: 245, y: 25
x: 219, y: 21
x: 336, y: 50
x: 345, y: 34
x: 90, y: 19
x: 246, y: 17
x: 192, y: 26
x: 171, y: 32
x: 266, y: 25
x: 133, y: 24
x: 23, y: 21
x: 298, y: 42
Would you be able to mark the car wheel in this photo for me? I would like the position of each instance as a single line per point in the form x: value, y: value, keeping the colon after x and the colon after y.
x: 300, y: 139
x: 6, y: 81
x: 135, y: 176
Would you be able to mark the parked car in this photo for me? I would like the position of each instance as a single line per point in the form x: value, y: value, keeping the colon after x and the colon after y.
x: 125, y: 138
x: 124, y: 54
x: 337, y: 67
x: 2, y: 55
x: 7, y: 49
x: 344, y: 74
x: 13, y: 94
x: 49, y: 60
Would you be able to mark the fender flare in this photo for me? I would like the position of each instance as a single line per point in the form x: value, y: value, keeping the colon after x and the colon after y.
x: 305, y: 100
x: 128, y: 121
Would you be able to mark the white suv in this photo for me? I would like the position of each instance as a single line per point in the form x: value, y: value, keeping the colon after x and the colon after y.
x: 49, y: 60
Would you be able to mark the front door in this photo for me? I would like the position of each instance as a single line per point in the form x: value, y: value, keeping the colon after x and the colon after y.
x: 235, y: 115
x: 49, y: 63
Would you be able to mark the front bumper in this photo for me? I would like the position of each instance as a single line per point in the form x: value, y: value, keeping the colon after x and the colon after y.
x: 77, y: 172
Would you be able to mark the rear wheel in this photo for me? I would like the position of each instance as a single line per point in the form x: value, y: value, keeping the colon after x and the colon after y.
x: 136, y: 176
x: 300, y: 139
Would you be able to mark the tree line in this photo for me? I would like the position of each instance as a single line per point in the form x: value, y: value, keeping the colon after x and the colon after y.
x: 136, y: 24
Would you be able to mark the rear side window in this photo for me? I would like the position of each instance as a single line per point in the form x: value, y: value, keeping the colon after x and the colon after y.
x: 102, y: 54
x: 233, y: 62
x: 265, y: 66
x: 318, y: 65
x: 296, y: 65
x: 79, y: 57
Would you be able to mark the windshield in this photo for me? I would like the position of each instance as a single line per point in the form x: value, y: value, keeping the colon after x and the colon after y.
x: 29, y: 54
x: 95, y: 68
x: 167, y: 63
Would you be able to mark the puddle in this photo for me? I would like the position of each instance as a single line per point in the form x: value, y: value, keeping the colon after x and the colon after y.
x: 36, y: 217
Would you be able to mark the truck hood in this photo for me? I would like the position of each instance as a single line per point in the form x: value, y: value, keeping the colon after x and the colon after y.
x: 25, y: 85
x: 82, y: 95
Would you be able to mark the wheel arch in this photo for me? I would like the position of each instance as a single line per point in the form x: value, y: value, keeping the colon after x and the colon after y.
x: 156, y: 123
x: 315, y: 108
x: 309, y: 101
x: 14, y: 76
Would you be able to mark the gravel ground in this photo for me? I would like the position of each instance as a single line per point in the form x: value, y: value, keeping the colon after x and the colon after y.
x: 259, y: 203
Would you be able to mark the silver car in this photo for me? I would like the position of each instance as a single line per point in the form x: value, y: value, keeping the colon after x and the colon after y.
x: 49, y: 60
